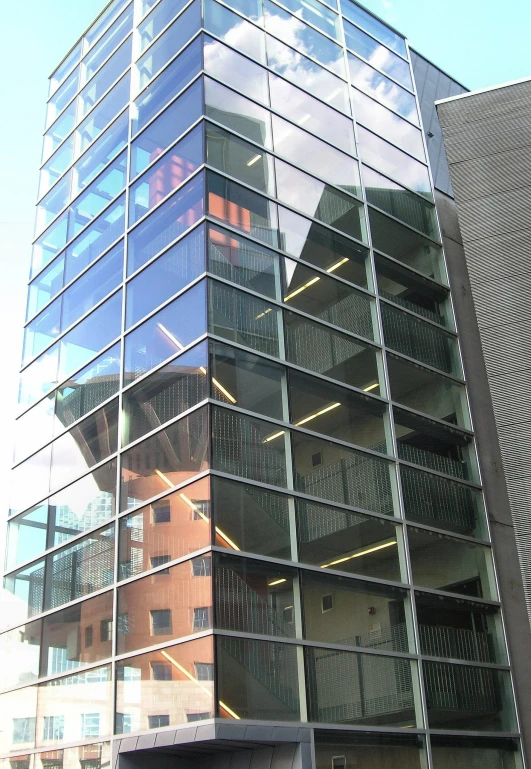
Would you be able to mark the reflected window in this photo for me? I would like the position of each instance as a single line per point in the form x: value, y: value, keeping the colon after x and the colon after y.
x: 234, y: 30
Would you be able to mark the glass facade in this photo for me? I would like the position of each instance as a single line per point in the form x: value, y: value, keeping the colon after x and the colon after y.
x: 239, y: 354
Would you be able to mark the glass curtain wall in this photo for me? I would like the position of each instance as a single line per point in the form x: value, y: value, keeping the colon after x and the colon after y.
x: 245, y: 481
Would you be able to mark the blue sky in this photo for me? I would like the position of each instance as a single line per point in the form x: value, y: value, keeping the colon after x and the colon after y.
x: 479, y: 42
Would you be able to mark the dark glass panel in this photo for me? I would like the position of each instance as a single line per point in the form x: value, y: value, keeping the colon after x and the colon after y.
x: 385, y: 751
x: 238, y: 113
x: 472, y: 752
x: 239, y: 159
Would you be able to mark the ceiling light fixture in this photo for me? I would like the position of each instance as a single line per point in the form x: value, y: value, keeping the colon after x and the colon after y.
x: 360, y: 554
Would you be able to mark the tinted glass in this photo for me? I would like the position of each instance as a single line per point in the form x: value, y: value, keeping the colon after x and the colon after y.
x: 107, y: 43
x: 234, y: 30
x: 378, y: 55
x: 240, y: 159
x: 153, y: 24
x: 374, y: 26
x: 237, y: 71
x: 102, y: 115
x: 95, y: 239
x: 393, y: 162
x: 56, y: 166
x: 45, y: 286
x: 107, y: 75
x: 26, y: 536
x: 237, y: 113
x: 317, y: 14
x: 102, y: 152
x: 383, y: 89
x: 387, y: 124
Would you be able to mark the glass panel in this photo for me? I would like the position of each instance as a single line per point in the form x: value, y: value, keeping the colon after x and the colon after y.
x: 315, y: 116
x: 400, y: 202
x: 85, y: 390
x: 56, y: 166
x: 174, y: 78
x: 237, y: 71
x: 169, y: 528
x: 170, y: 273
x: 334, y: 538
x: 334, y: 411
x: 254, y: 597
x: 251, y: 519
x: 317, y: 14
x: 374, y: 26
x: 243, y: 262
x: 302, y: 37
x: 103, y: 19
x: 386, y: 91
x: 165, y: 605
x: 303, y: 72
x: 319, y: 200
x: 167, y: 45
x: 458, y: 629
x: 108, y: 74
x: 455, y: 565
x: 81, y: 569
x: 385, y: 751
x: 165, y: 394
x: 107, y: 43
x: 237, y: 158
x: 18, y: 717
x: 52, y: 204
x: 412, y: 291
x: 440, y: 502
x: 174, y: 121
x: 237, y: 113
x: 406, y: 246
x: 166, y: 333
x: 61, y: 97
x: 41, y: 331
x: 331, y: 353
x: 244, y: 319
x: 340, y: 610
x: 248, y: 447
x: 469, y: 698
x: 95, y: 239
x: 377, y: 55
x: 424, y: 390
x: 39, y: 377
x: 465, y: 752
x: 393, y: 162
x: 101, y: 152
x: 64, y: 68
x: 89, y: 502
x: 305, y: 151
x: 349, y: 688
x: 235, y: 31
x: 49, y: 244
x: 318, y: 245
x: 91, y: 335
x: 30, y: 481
x: 34, y: 428
x: 80, y: 708
x: 59, y: 130
x: 166, y: 459
x: 153, y: 24
x: 45, y: 287
x: 168, y: 173
x: 173, y: 679
x: 257, y: 680
x: 27, y: 587
x: 253, y: 383
x: 167, y: 223
x: 102, y: 115
x: 86, y: 444
x: 242, y: 209
x: 26, y: 536
x: 387, y: 124
x: 20, y: 651
x: 327, y: 299
x: 342, y: 475
x: 71, y: 638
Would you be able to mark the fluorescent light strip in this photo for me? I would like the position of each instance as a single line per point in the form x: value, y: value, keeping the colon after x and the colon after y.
x: 222, y: 534
x: 269, y: 309
x: 302, y: 288
x: 276, y: 582
x: 254, y: 160
x: 371, y: 387
x: 229, y: 711
x: 360, y: 554
x: 317, y: 414
x: 337, y: 264
x: 273, y: 436
x: 225, y: 392
x: 170, y: 336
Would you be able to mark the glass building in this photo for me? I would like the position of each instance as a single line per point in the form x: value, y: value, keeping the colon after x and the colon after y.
x: 247, y: 522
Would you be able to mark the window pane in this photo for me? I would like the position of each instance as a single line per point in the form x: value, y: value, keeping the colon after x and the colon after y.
x: 170, y: 273
x: 375, y: 54
x: 253, y: 383
x: 315, y: 116
x: 49, y: 244
x: 102, y: 115
x: 36, y: 468
x: 254, y: 597
x: 464, y: 752
x: 317, y: 14
x: 166, y: 459
x: 115, y: 66
x: 318, y: 245
x: 371, y: 748
x: 303, y: 72
x: 171, y: 41
x: 42, y: 331
x: 167, y: 223
x: 237, y: 158
x: 27, y: 585
x: 393, y: 162
x: 153, y: 24
x: 237, y: 113
x: 64, y: 68
x: 107, y: 43
x: 386, y: 91
x: 173, y: 526
x: 45, y: 287
x: 19, y: 722
x: 243, y: 262
x: 34, y: 428
x: 325, y: 351
x: 166, y: 333
x: 335, y: 538
x: 335, y: 612
x: 374, y: 26
x: 235, y: 70
x: 81, y: 569
x: 56, y: 166
x: 39, y: 377
x: 87, y: 389
x: 61, y: 97
x: 319, y: 200
x: 251, y: 519
x: 174, y: 121
x: 165, y: 676
x: 165, y: 394
x: 103, y: 20
x: 245, y: 668
x: 53, y: 203
x: 242, y: 209
x: 59, y: 130
x: 234, y: 30
x: 387, y: 124
x: 20, y: 651
x: 252, y: 9
x: 26, y: 536
x: 160, y: 608
x: 89, y: 204
x: 244, y: 319
x: 101, y: 153
x: 168, y: 173
x: 412, y: 291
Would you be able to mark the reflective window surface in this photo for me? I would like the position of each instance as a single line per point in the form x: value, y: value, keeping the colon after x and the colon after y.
x: 234, y: 31
x: 387, y: 124
x: 235, y: 70
x: 374, y: 26
x: 377, y: 55
x: 393, y: 162
x: 153, y: 24
x: 237, y: 113
x: 382, y: 89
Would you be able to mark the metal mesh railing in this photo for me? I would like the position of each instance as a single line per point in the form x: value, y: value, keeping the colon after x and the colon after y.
x: 429, y: 497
